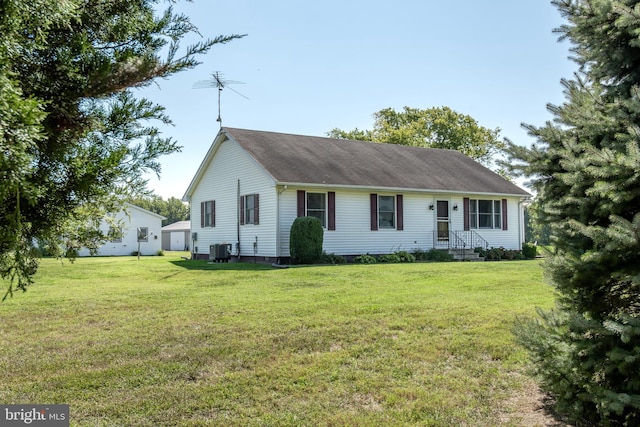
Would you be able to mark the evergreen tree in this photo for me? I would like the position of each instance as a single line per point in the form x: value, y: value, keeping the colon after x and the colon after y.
x: 586, y: 171
x: 74, y: 140
x: 305, y: 244
x: 535, y: 231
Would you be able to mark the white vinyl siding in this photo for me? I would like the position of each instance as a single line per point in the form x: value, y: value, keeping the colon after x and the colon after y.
x: 353, y: 235
x: 220, y: 183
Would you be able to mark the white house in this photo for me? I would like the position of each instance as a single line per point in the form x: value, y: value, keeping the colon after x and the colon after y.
x: 371, y: 198
x: 139, y: 226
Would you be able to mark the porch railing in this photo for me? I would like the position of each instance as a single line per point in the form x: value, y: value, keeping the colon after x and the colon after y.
x: 461, y: 239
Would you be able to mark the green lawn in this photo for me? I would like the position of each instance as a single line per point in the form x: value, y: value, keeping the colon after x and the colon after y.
x: 164, y: 341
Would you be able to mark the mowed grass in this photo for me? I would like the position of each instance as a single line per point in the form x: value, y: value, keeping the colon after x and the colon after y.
x: 168, y: 342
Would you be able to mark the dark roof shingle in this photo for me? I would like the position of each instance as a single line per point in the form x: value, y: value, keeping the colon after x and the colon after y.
x: 317, y: 160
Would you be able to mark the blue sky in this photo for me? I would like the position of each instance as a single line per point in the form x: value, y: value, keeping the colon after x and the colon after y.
x: 309, y: 67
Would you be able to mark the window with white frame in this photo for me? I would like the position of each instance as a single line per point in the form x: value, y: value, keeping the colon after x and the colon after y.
x: 317, y: 207
x: 485, y: 214
x: 386, y: 212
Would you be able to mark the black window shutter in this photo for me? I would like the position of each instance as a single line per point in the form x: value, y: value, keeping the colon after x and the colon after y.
x: 256, y: 204
x: 504, y: 214
x: 399, y: 212
x: 301, y: 197
x: 213, y: 213
x: 242, y: 210
x: 466, y: 213
x: 331, y: 206
x: 202, y: 210
x: 374, y: 211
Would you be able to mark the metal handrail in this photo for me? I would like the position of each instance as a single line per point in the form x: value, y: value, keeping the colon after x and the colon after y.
x: 461, y: 239
x: 470, y: 239
x: 458, y: 242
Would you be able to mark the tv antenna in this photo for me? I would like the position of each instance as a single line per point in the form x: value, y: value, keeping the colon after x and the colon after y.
x: 218, y: 81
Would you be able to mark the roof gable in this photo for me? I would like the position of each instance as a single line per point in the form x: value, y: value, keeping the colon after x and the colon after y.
x: 297, y: 159
x: 220, y: 138
x: 129, y: 206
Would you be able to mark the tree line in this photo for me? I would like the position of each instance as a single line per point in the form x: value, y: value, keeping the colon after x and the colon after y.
x: 173, y: 209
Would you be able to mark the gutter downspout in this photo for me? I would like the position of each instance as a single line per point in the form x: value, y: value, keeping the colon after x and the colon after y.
x: 238, y: 220
x: 521, y: 231
x: 278, y: 236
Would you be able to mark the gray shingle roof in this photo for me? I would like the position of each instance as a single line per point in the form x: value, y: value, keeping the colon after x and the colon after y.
x: 178, y: 226
x: 297, y: 159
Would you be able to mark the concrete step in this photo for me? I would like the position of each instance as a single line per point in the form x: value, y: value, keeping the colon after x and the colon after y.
x: 465, y: 255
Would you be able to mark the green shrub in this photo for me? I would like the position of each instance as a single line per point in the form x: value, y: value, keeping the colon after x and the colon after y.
x: 434, y: 255
x: 332, y: 259
x: 390, y: 258
x: 482, y: 251
x: 420, y: 254
x: 405, y: 256
x: 305, y: 243
x: 529, y: 251
x: 365, y: 259
x: 497, y: 254
x: 494, y: 254
x: 399, y: 256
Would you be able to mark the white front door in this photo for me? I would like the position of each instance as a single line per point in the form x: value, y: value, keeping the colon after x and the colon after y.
x: 442, y: 223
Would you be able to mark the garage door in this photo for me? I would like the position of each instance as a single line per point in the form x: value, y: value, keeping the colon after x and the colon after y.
x: 177, y: 241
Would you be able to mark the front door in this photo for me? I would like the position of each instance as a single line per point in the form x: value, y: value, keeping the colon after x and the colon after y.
x: 442, y: 222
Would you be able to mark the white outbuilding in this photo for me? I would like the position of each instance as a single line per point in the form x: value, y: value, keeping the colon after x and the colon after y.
x: 141, y: 231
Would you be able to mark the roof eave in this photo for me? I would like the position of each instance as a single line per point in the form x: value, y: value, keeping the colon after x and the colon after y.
x: 398, y: 189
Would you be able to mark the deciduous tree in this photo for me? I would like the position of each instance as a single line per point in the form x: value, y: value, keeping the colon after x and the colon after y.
x: 433, y: 127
